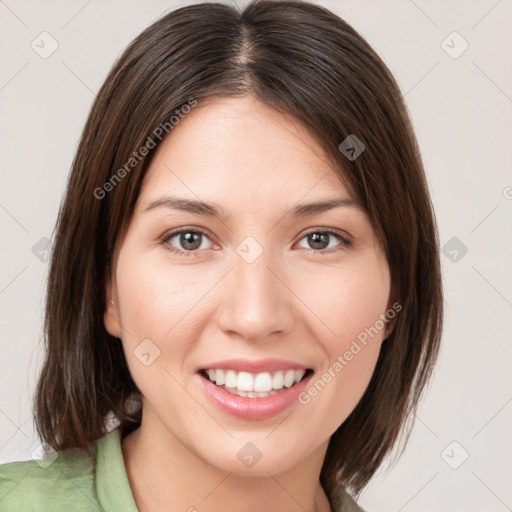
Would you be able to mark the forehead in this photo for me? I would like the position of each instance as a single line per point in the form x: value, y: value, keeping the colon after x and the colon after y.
x: 238, y: 146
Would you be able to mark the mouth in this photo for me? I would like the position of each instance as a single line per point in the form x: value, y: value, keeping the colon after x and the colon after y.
x: 255, y: 385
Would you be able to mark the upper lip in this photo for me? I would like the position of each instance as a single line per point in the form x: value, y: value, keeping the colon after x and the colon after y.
x: 253, y: 366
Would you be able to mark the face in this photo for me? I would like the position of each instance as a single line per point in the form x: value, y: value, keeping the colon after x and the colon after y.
x: 268, y: 302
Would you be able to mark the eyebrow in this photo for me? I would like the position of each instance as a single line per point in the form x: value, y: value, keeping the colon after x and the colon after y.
x: 212, y: 210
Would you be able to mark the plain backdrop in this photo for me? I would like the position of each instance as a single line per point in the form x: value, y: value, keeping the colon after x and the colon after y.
x: 460, y: 100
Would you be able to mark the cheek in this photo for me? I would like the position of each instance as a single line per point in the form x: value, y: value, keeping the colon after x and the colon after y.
x: 157, y: 300
x: 156, y: 308
x: 351, y: 308
x: 162, y: 313
x: 348, y: 302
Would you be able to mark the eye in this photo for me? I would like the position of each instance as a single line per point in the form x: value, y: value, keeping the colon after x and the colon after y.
x: 320, y: 240
x: 188, y: 241
x: 185, y: 242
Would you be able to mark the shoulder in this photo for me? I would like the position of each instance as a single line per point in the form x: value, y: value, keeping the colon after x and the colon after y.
x: 61, y: 481
x: 348, y: 504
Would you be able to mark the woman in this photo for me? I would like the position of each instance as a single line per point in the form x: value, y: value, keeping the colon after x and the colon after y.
x: 244, y: 302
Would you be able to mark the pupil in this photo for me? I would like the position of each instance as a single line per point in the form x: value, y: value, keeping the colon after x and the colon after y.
x: 189, y: 239
x: 319, y: 238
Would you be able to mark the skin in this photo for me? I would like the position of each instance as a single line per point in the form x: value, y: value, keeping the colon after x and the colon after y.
x: 291, y: 303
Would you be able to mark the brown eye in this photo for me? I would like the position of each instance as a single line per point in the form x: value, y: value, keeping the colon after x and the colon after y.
x: 186, y: 242
x: 189, y: 240
x: 320, y: 240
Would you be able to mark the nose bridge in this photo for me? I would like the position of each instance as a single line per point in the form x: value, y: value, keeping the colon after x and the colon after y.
x: 257, y: 303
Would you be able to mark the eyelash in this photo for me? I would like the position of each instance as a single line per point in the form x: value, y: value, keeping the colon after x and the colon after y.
x: 345, y: 242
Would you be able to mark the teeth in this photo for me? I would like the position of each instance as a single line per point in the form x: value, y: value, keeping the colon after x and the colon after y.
x: 219, y: 377
x: 263, y: 383
x: 289, y: 378
x: 298, y: 375
x: 245, y: 382
x: 277, y: 380
x: 254, y: 385
x: 230, y: 379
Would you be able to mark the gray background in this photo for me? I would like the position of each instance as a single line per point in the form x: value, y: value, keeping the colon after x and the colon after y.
x: 461, y: 109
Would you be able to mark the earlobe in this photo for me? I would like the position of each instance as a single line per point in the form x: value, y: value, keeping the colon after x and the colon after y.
x: 393, y: 309
x: 390, y: 327
x: 111, y: 317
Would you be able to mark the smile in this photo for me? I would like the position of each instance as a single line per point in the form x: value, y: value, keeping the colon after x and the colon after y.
x: 254, y: 385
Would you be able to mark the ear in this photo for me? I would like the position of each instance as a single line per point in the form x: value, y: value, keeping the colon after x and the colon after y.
x: 390, y: 327
x: 395, y: 307
x: 111, y: 317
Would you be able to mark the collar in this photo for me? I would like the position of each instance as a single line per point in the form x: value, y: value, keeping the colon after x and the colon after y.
x: 112, y: 485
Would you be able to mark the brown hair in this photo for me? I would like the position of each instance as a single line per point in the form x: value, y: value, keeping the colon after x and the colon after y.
x: 300, y: 59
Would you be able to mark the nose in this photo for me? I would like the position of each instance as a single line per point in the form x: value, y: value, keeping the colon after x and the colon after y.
x: 257, y: 302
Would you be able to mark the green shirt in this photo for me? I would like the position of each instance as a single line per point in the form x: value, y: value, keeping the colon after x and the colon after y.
x: 76, y: 482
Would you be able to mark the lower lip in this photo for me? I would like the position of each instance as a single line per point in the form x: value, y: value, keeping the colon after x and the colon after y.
x: 253, y: 408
